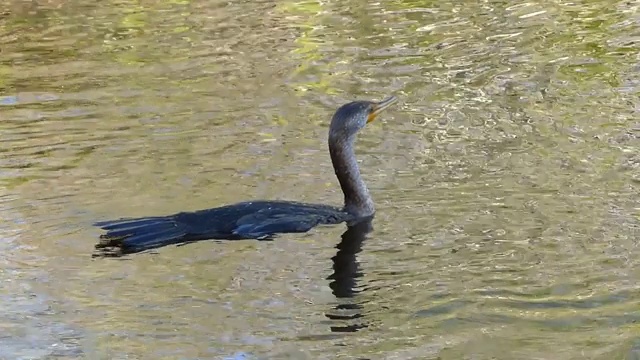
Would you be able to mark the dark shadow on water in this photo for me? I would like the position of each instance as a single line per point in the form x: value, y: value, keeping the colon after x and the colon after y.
x: 346, y: 272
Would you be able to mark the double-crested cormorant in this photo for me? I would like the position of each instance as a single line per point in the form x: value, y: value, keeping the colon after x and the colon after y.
x: 259, y: 219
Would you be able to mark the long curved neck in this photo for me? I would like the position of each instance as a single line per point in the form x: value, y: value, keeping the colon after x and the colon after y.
x: 357, y: 200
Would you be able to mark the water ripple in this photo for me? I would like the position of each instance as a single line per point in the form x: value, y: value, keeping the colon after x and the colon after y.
x: 506, y: 181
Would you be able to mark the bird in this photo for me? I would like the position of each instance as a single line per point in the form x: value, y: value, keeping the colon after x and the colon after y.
x: 261, y: 220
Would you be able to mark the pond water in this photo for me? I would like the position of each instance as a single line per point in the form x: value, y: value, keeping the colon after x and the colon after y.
x: 506, y: 179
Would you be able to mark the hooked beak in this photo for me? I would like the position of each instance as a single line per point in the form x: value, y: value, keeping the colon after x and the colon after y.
x: 379, y: 107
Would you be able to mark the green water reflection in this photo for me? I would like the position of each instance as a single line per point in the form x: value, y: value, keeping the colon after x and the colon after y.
x: 506, y: 182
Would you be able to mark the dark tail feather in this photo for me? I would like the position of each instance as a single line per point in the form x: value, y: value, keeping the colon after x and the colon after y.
x: 126, y: 236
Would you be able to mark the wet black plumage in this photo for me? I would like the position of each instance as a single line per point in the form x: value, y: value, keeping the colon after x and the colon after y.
x: 258, y: 219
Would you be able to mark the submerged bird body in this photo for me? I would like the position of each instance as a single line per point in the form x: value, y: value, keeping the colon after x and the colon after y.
x: 246, y: 220
x: 258, y: 219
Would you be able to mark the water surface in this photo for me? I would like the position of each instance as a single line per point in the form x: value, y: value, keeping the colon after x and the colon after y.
x: 506, y: 180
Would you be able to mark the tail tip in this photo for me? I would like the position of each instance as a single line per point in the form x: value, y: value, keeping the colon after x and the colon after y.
x: 108, y: 247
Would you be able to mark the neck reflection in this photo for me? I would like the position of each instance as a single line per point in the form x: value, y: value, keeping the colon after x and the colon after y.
x: 346, y: 272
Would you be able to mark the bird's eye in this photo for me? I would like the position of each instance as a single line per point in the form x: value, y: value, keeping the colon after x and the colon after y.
x: 370, y: 108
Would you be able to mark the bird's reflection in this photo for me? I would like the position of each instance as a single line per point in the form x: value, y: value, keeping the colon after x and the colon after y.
x: 346, y: 271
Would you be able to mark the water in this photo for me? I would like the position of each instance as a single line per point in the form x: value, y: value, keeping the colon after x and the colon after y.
x: 506, y: 180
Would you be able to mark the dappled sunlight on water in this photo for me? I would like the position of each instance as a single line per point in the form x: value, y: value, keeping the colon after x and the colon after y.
x: 505, y: 179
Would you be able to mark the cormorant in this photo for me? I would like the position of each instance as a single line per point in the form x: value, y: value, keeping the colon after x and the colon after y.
x: 259, y: 219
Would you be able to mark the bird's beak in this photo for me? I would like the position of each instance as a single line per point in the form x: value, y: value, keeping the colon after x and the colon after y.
x: 379, y: 107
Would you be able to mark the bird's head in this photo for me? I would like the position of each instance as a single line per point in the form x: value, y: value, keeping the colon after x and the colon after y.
x: 352, y: 117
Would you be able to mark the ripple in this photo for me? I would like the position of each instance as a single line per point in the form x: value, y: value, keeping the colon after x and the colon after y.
x: 506, y: 180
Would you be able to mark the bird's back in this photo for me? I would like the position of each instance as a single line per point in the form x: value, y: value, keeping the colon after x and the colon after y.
x: 246, y: 220
x: 255, y: 219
